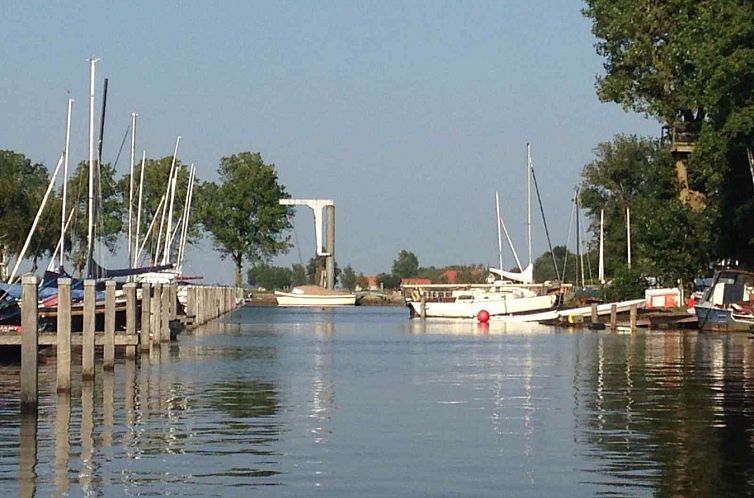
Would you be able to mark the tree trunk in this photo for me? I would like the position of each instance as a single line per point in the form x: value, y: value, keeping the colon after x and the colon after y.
x: 238, y: 260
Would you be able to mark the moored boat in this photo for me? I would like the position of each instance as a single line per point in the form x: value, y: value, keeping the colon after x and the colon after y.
x: 728, y: 304
x: 313, y: 295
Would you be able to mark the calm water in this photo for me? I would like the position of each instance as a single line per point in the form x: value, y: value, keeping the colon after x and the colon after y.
x: 364, y: 402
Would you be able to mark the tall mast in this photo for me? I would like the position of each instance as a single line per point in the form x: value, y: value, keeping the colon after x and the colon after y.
x: 602, y: 247
x: 578, y: 239
x: 628, y: 236
x: 581, y: 253
x: 171, y: 189
x: 65, y: 178
x: 131, y: 191
x: 90, y: 221
x: 499, y: 233
x: 138, y: 209
x: 528, y: 198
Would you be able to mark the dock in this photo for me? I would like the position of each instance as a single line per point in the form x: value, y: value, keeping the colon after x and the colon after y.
x: 150, y: 311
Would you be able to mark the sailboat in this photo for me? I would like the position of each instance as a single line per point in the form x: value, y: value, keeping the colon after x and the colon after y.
x: 506, y: 294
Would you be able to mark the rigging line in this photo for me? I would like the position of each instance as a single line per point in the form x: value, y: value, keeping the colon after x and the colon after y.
x: 122, y: 143
x: 544, y: 222
x: 751, y: 163
x: 568, y: 242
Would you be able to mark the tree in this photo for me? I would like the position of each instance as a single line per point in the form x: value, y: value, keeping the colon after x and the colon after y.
x: 298, y: 275
x: 669, y: 239
x: 349, y: 278
x: 388, y: 281
x: 690, y: 65
x: 269, y: 277
x: 406, y: 265
x: 109, y: 211
x: 316, y: 267
x: 243, y: 213
x: 22, y: 187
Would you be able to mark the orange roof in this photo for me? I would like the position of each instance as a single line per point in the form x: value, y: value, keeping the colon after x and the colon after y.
x: 415, y: 281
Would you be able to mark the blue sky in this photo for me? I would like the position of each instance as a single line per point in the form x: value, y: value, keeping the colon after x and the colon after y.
x: 409, y: 115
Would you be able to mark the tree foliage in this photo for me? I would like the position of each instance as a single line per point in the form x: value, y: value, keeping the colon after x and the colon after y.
x: 690, y: 64
x: 243, y: 213
x: 22, y: 186
x: 406, y: 265
x: 269, y: 277
x: 669, y: 239
x: 348, y: 278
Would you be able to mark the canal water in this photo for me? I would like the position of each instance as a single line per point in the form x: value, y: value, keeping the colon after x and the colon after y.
x: 365, y: 402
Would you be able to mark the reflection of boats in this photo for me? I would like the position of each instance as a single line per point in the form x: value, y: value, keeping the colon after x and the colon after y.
x: 728, y: 304
x: 313, y: 295
x: 502, y: 297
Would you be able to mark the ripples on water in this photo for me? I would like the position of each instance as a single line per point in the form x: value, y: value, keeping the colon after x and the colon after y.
x: 364, y: 402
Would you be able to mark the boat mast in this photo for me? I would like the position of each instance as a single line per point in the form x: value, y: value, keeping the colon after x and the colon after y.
x: 499, y: 233
x: 65, y: 178
x: 528, y: 197
x: 578, y: 240
x: 171, y: 188
x: 628, y: 236
x: 138, y: 209
x: 131, y: 191
x: 602, y: 247
x: 90, y: 221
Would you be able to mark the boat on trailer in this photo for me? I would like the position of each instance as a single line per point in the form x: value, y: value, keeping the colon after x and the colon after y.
x: 728, y: 304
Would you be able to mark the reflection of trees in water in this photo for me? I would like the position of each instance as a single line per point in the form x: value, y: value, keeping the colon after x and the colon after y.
x: 245, y: 398
x: 669, y: 410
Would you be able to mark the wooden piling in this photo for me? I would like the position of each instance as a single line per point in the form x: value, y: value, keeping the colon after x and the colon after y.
x: 632, y: 317
x: 108, y: 362
x: 165, y: 314
x: 613, y: 316
x: 146, y: 301
x: 594, y: 313
x: 156, y: 313
x: 423, y: 307
x: 63, y: 336
x: 87, y: 352
x: 29, y: 343
x: 130, y: 291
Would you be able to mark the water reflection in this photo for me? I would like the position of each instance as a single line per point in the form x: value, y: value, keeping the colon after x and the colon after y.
x: 359, y: 403
x: 675, y: 403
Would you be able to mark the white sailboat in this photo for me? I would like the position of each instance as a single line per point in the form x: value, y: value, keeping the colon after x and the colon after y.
x: 506, y: 294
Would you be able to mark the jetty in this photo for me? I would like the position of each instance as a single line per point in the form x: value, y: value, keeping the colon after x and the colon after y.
x: 151, y: 311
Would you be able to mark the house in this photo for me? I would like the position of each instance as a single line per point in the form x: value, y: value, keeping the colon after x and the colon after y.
x: 415, y: 281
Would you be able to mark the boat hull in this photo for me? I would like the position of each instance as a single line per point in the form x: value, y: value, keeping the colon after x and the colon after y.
x: 717, y: 319
x: 495, y: 307
x: 303, y: 300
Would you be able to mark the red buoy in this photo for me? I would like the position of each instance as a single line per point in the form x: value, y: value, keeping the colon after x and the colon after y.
x: 483, y: 316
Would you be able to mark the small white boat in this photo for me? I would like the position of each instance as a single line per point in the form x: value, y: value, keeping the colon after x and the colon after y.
x: 728, y: 304
x: 313, y: 295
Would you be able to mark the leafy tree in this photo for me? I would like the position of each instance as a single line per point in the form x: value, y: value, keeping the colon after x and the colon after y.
x: 406, y: 265
x: 388, y: 280
x: 269, y: 277
x: 243, y: 213
x: 298, y: 275
x: 22, y: 187
x: 669, y: 239
x: 316, y: 268
x: 690, y: 65
x: 471, y: 274
x: 544, y: 270
x: 626, y: 284
x: 349, y: 278
x: 108, y: 208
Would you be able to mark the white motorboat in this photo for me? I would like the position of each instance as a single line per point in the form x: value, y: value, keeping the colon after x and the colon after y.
x: 315, y: 296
